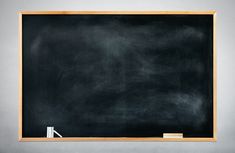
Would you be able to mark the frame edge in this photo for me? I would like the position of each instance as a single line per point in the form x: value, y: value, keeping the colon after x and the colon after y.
x: 20, y: 77
x: 116, y: 12
x: 214, y: 79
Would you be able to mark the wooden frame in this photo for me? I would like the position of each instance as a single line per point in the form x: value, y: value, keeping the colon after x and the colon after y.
x: 211, y: 139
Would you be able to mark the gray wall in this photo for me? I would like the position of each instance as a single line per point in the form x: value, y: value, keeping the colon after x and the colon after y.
x: 9, y: 76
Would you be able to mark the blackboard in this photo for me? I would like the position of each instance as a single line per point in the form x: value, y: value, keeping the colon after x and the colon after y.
x: 117, y: 74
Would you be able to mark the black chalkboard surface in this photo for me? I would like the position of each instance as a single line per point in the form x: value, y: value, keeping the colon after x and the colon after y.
x: 117, y: 75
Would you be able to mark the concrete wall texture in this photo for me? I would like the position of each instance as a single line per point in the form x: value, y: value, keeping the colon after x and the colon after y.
x: 9, y: 76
